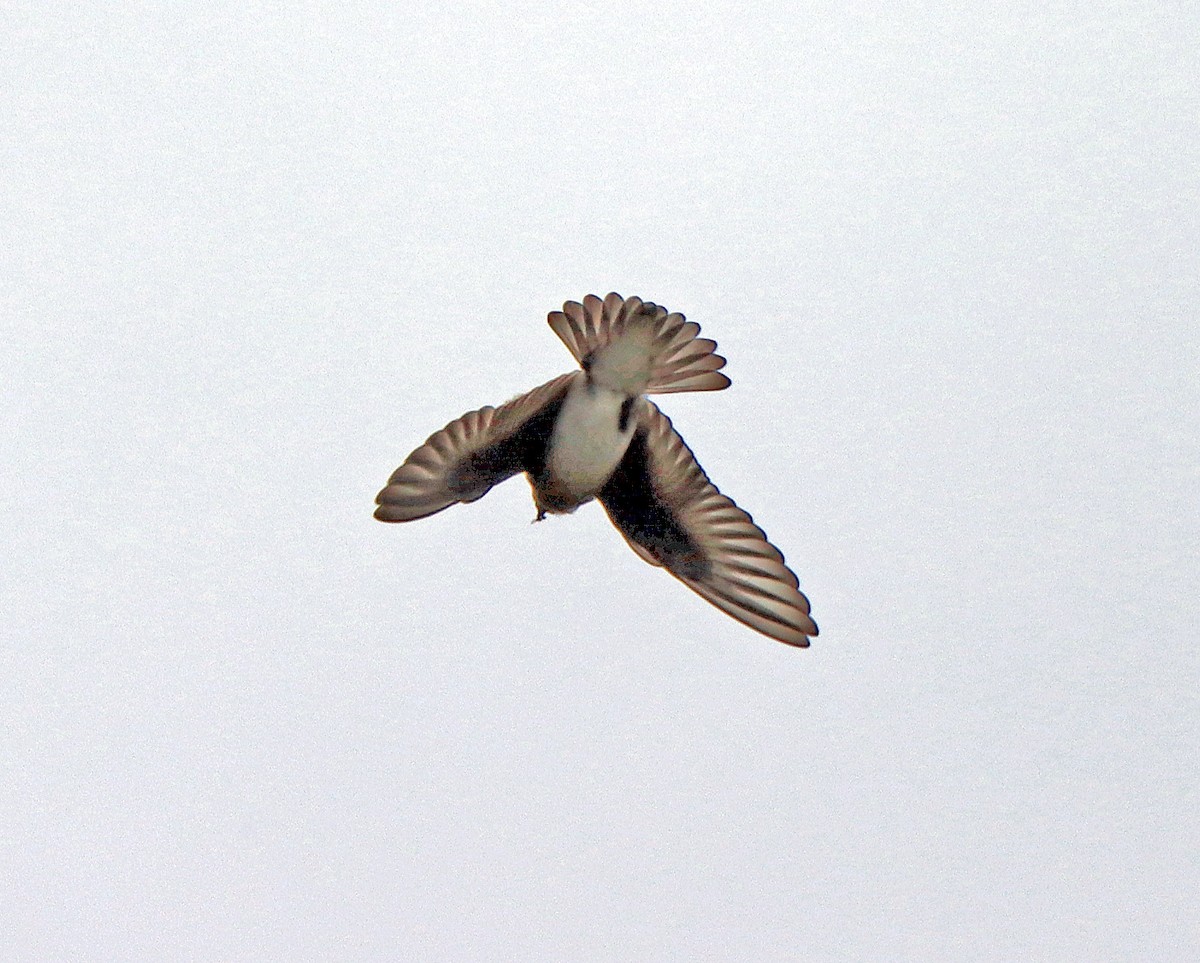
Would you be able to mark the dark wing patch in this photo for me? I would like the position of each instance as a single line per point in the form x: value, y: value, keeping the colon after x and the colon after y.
x: 626, y: 411
x: 465, y: 459
x: 661, y: 500
x: 643, y: 517
x: 524, y: 450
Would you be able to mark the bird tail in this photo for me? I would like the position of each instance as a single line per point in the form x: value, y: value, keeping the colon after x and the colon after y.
x: 678, y: 359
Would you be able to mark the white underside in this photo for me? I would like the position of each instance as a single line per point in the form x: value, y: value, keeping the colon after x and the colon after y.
x: 586, y: 445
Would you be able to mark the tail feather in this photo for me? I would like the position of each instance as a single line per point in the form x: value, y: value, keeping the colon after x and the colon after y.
x: 682, y: 336
x: 681, y: 362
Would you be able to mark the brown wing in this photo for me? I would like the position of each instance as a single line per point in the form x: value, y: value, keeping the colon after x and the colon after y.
x: 681, y: 361
x: 465, y: 459
x: 661, y: 500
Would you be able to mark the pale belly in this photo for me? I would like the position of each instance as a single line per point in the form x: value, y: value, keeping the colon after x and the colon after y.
x: 587, y: 444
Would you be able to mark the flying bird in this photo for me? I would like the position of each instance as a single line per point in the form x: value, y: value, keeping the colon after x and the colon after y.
x: 593, y: 434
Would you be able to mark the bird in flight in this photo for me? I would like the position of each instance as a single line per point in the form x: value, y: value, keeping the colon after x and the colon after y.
x: 593, y: 434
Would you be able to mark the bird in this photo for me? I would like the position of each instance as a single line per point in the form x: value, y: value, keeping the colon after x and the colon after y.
x: 592, y: 434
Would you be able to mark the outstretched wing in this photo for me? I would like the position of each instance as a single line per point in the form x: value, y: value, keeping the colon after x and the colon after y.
x: 465, y: 459
x: 680, y: 361
x: 661, y: 500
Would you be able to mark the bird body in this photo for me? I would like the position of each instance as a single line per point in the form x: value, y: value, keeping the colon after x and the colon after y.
x: 593, y: 434
x: 590, y: 437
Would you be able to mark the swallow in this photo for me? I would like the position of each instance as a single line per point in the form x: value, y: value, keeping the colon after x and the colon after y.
x: 593, y: 434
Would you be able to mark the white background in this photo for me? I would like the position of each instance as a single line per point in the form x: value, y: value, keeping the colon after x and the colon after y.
x: 254, y: 253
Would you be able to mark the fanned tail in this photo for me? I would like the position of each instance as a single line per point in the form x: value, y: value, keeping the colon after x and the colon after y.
x: 681, y: 361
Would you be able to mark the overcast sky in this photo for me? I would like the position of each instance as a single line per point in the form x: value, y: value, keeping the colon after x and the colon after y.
x: 254, y: 253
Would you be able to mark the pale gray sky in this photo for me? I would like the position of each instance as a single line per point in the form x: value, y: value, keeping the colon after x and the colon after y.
x: 255, y: 253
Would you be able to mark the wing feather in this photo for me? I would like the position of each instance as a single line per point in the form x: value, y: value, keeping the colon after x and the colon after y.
x: 664, y: 505
x: 465, y: 459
